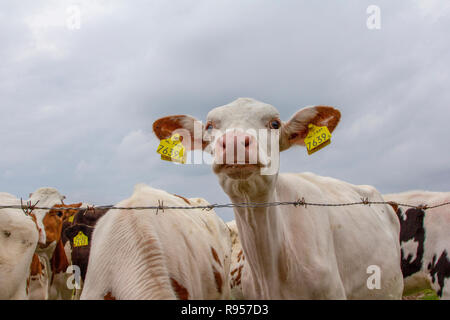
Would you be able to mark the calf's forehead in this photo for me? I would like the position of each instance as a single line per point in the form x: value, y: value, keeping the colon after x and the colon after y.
x: 248, y: 112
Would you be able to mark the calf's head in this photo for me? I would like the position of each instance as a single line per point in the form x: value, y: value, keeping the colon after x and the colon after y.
x: 245, y: 137
x: 45, y: 197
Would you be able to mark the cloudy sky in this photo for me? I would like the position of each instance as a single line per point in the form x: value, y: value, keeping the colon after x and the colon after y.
x: 77, y: 104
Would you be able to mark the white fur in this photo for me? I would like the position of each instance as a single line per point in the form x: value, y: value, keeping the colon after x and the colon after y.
x: 16, y: 250
x: 44, y: 197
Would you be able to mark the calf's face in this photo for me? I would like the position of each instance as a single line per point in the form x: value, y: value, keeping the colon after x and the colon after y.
x: 245, y: 136
x: 53, y: 220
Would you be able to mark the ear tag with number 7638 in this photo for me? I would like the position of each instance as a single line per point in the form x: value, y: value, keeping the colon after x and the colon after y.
x: 317, y: 138
x: 172, y: 149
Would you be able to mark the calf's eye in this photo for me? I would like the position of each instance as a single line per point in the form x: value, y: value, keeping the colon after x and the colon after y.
x: 209, y: 127
x: 275, y: 124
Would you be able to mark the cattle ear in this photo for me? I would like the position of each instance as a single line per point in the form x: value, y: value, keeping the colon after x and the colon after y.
x: 71, y: 232
x: 296, y: 129
x: 189, y: 128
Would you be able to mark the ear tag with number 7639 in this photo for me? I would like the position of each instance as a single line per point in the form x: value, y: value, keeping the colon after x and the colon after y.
x: 317, y: 138
x: 172, y: 149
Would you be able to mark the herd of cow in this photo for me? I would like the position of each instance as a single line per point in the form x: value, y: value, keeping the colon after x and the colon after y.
x: 76, y: 251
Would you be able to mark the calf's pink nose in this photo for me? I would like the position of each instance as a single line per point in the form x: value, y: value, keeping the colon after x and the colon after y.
x: 232, y: 139
x: 239, y: 146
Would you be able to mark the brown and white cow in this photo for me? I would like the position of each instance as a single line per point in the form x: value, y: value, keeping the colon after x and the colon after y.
x: 68, y: 215
x: 50, y: 249
x: 425, y: 241
x: 294, y: 252
x: 170, y: 254
x: 18, y: 239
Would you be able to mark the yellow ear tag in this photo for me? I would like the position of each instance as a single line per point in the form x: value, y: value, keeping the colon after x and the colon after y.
x: 71, y: 218
x: 80, y: 240
x: 317, y: 138
x: 172, y: 149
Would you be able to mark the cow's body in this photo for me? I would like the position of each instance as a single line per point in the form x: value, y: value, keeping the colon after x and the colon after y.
x: 294, y: 252
x: 18, y: 239
x: 425, y: 241
x: 142, y: 254
x: 37, y: 281
x: 237, y: 262
x: 322, y: 252
x: 83, y: 221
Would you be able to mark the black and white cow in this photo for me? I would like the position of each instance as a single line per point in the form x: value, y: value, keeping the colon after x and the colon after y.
x: 425, y: 241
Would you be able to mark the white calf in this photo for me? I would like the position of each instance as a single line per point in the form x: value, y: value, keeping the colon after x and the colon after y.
x: 294, y: 252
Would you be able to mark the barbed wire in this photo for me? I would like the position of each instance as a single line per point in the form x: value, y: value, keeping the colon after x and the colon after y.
x: 29, y: 208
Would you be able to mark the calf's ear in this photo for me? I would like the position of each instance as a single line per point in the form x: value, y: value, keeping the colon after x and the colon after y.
x: 296, y: 129
x: 189, y: 128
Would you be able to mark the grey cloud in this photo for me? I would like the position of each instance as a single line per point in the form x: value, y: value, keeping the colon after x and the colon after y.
x: 77, y: 107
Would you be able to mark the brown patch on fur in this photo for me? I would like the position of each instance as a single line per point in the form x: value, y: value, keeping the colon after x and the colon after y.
x: 36, y: 266
x: 240, y: 256
x: 185, y: 200
x: 53, y: 226
x: 218, y: 278
x: 323, y: 116
x: 326, y: 116
x: 59, y: 262
x: 237, y: 280
x: 109, y: 296
x: 393, y: 205
x: 164, y: 127
x: 215, y: 256
x: 180, y: 291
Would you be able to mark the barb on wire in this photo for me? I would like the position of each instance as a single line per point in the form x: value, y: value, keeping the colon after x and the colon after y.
x: 160, y: 206
x: 300, y: 202
x: 365, y: 201
x: 28, y: 209
x: 210, y: 207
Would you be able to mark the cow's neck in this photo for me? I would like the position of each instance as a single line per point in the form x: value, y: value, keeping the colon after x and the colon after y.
x: 260, y: 229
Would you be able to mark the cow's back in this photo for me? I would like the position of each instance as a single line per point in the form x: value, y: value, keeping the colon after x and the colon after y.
x: 144, y: 254
x: 366, y: 236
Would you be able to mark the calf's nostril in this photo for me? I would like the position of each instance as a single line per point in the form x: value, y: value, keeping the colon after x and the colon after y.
x: 247, y: 141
